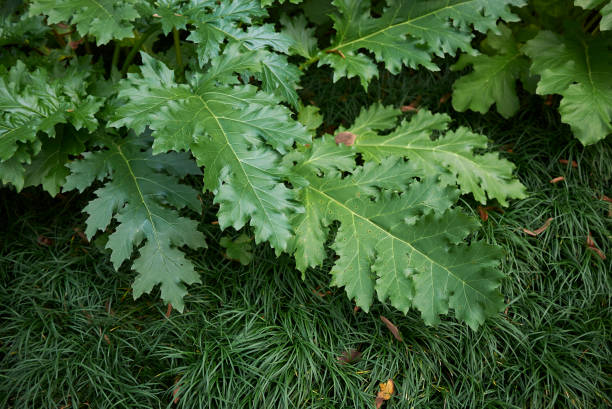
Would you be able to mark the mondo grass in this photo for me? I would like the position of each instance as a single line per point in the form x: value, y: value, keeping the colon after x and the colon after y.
x: 257, y: 336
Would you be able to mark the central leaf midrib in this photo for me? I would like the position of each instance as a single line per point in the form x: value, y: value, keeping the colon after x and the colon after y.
x: 143, y: 201
x: 416, y: 148
x: 407, y: 22
x: 246, y: 176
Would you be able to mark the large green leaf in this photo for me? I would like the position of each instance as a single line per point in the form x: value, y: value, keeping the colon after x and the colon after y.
x: 143, y: 195
x: 579, y: 68
x: 237, y: 133
x: 408, y: 33
x: 397, y: 236
x: 453, y: 155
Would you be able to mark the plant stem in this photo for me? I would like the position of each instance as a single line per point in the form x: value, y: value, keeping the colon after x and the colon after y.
x: 135, y: 48
x: 177, y: 49
x: 307, y: 63
x: 87, y: 45
x: 116, y: 53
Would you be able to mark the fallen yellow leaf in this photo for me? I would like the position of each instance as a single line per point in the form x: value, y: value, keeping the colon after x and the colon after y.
x: 385, y: 393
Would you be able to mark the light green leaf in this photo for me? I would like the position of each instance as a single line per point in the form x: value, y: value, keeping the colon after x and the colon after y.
x: 350, y: 65
x: 239, y: 249
x: 48, y: 168
x: 304, y: 40
x: 36, y: 102
x: 310, y: 117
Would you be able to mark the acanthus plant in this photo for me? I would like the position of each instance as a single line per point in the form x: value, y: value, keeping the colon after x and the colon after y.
x: 215, y: 93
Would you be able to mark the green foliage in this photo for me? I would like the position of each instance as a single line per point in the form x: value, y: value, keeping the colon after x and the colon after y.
x: 451, y: 155
x: 38, y: 102
x: 406, y: 33
x: 604, y: 7
x: 238, y: 133
x: 21, y: 28
x: 239, y: 249
x: 233, y: 21
x: 567, y: 59
x: 189, y: 85
x: 494, y: 77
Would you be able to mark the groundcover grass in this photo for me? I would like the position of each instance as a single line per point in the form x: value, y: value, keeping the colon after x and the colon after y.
x: 257, y: 336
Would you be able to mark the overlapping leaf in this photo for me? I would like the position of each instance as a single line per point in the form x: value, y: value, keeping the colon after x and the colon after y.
x: 104, y: 19
x: 493, y: 80
x: 397, y: 237
x: 604, y: 7
x: 408, y: 33
x: 237, y: 133
x: 452, y: 155
x: 233, y: 21
x: 37, y: 102
x: 19, y: 29
x: 143, y: 194
x: 579, y: 68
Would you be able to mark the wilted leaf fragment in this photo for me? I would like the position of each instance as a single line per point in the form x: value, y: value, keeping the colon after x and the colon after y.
x: 591, y: 244
x: 239, y: 249
x: 346, y: 138
x: 141, y: 192
x: 350, y: 356
x: 539, y: 230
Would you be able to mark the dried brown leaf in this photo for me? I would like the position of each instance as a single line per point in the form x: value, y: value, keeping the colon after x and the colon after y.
x: 593, y: 246
x: 484, y: 215
x: 44, y: 241
x: 350, y: 356
x: 392, y: 328
x: 539, y: 230
x: 346, y: 138
x: 566, y: 162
